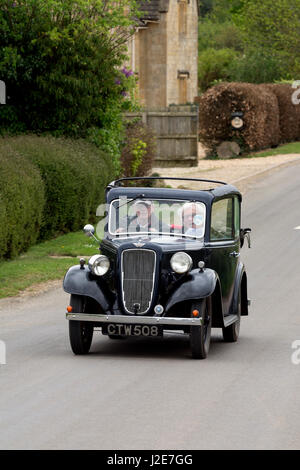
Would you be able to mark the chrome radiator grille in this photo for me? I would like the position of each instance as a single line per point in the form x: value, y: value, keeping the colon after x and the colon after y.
x: 138, y: 271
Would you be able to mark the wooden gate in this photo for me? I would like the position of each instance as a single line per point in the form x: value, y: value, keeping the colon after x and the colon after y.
x: 176, y: 130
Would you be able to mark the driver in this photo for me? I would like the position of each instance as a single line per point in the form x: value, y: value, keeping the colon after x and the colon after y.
x: 144, y: 219
x: 192, y: 219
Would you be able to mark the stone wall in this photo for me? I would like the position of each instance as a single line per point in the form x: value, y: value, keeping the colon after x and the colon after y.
x: 182, y: 51
x: 152, y: 64
x: 165, y: 57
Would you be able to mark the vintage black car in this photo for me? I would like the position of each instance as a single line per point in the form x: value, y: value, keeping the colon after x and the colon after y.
x: 169, y: 260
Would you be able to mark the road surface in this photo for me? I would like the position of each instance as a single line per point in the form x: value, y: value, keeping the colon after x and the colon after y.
x: 148, y: 393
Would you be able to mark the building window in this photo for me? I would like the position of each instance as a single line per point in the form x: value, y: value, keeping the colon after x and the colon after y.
x: 182, y: 16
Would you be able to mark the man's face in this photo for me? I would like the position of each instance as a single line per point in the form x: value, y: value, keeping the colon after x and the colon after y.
x: 143, y: 213
x: 189, y: 219
x: 188, y: 216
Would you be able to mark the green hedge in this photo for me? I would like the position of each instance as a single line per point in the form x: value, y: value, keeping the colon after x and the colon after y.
x: 22, y: 202
x: 62, y: 181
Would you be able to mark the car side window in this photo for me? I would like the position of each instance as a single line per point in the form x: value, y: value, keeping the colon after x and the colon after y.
x: 222, y: 220
x: 237, y: 217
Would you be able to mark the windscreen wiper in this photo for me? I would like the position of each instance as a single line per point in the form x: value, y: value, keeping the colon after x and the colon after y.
x: 139, y: 196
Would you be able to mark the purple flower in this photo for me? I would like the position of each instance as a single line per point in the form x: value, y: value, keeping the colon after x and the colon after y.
x: 123, y: 93
x: 126, y: 72
x: 117, y: 81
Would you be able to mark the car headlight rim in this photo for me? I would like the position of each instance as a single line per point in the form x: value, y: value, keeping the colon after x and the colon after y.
x: 99, y: 265
x: 181, y: 262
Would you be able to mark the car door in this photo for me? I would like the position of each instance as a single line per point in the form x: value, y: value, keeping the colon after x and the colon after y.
x: 225, y: 244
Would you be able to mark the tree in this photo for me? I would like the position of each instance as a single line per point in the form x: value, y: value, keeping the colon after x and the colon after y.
x: 263, y: 37
x: 272, y: 26
x: 214, y: 66
x: 205, y: 6
x: 61, y: 62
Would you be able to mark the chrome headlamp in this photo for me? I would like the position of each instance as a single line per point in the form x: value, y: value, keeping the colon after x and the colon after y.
x: 99, y: 265
x: 181, y: 262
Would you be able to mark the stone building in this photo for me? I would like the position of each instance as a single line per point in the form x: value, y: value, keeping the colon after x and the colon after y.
x: 164, y: 53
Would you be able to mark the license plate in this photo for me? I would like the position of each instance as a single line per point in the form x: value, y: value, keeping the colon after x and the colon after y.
x: 131, y: 330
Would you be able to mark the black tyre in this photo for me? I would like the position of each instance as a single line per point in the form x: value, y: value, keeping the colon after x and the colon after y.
x: 80, y: 332
x: 200, y: 335
x: 231, y: 332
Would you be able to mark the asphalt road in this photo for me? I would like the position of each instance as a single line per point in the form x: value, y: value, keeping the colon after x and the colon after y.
x: 149, y: 394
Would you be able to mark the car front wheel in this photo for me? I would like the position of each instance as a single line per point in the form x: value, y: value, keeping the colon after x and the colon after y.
x: 200, y: 335
x: 80, y: 332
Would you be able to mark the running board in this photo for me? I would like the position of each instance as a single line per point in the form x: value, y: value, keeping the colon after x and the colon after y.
x: 229, y: 319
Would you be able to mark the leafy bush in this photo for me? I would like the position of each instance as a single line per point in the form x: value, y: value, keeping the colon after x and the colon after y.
x: 219, y: 35
x: 60, y: 63
x: 75, y: 174
x: 255, y: 66
x: 22, y: 201
x: 264, y: 35
x: 138, y: 151
x: 272, y: 27
x: 213, y: 66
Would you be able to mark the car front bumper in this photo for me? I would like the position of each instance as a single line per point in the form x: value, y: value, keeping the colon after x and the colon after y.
x: 134, y: 319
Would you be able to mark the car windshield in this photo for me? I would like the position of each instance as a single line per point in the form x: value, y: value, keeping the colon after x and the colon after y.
x: 134, y: 217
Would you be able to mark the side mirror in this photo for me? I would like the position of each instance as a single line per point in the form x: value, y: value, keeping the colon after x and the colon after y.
x: 245, y: 233
x: 89, y: 230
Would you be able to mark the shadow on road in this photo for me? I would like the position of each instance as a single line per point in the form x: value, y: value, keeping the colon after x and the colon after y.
x: 172, y: 346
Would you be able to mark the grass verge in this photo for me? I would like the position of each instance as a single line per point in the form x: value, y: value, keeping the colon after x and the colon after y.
x: 293, y: 147
x: 44, y: 262
x: 285, y: 149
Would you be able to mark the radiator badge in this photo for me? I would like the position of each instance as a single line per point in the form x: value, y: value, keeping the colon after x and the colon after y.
x: 139, y: 244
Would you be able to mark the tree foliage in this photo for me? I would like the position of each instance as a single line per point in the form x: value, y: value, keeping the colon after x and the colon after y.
x: 60, y: 62
x: 272, y: 26
x: 214, y: 66
x: 262, y: 36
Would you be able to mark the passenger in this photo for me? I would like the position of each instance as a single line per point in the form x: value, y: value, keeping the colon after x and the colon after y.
x: 192, y: 219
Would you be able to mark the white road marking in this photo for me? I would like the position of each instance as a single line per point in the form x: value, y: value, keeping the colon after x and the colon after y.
x: 297, y: 228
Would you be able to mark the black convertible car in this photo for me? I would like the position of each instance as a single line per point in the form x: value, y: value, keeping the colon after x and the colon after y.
x: 169, y: 260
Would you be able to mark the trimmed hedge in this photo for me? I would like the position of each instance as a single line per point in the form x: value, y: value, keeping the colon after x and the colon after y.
x: 58, y: 182
x: 22, y: 202
x: 261, y: 115
x: 289, y: 113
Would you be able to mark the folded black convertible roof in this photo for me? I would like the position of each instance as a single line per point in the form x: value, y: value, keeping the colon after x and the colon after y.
x: 120, y: 180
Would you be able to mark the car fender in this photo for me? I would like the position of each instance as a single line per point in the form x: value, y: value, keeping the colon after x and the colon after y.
x: 240, y: 283
x: 81, y: 282
x: 197, y: 286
